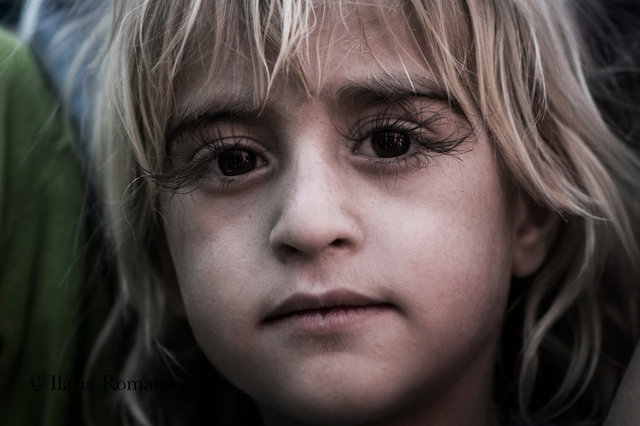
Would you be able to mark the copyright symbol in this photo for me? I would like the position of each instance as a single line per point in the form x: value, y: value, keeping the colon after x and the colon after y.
x: 36, y: 382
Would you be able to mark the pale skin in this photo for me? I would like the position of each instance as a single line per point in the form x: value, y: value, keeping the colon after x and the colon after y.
x: 409, y: 255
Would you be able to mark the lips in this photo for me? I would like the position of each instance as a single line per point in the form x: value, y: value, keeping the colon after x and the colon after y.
x: 301, y: 304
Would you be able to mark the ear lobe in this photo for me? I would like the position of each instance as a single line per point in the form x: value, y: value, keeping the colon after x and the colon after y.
x: 535, y: 230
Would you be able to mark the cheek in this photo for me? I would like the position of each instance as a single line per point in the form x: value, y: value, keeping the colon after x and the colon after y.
x: 216, y: 268
x: 450, y: 243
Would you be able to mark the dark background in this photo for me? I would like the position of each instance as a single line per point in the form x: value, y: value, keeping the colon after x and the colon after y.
x: 10, y: 12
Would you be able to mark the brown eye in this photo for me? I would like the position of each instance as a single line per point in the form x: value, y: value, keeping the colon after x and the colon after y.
x: 236, y: 162
x: 390, y: 144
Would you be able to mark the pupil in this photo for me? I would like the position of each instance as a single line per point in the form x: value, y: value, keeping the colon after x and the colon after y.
x: 390, y: 144
x: 236, y: 162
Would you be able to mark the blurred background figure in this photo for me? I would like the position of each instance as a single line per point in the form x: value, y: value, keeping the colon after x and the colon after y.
x: 47, y: 300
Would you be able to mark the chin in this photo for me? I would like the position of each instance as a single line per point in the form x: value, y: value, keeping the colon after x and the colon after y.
x: 331, y: 408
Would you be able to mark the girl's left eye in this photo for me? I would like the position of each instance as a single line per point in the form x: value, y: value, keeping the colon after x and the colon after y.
x: 388, y: 144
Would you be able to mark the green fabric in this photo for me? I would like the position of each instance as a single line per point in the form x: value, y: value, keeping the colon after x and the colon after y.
x: 41, y: 246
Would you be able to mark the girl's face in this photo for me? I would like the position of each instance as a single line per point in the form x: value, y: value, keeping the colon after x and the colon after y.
x: 347, y: 255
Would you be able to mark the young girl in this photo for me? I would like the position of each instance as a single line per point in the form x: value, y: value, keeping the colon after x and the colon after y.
x: 371, y: 212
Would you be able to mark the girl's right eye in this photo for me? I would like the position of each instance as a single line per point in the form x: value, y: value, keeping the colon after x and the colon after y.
x: 229, y: 159
x: 215, y: 160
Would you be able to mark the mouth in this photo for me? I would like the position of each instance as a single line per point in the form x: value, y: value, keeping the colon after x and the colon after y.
x: 326, y: 312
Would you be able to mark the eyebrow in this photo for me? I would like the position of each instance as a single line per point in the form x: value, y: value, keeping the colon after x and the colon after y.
x: 220, y: 109
x: 383, y: 88
x: 388, y: 88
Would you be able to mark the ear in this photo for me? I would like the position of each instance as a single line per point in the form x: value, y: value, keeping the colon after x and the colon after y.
x: 535, y: 230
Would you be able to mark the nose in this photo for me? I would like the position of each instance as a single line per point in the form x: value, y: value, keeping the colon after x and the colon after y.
x: 315, y: 212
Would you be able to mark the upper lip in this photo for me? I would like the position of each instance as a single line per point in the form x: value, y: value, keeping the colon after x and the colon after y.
x: 300, y: 302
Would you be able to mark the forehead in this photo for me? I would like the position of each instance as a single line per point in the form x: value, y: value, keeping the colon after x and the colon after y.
x: 345, y: 48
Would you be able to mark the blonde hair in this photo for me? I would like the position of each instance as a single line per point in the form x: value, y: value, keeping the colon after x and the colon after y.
x: 521, y: 63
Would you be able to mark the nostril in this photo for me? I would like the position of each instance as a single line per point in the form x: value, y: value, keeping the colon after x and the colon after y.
x: 338, y: 242
x: 286, y: 250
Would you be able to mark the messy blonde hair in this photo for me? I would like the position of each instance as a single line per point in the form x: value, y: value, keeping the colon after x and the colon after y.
x: 521, y: 64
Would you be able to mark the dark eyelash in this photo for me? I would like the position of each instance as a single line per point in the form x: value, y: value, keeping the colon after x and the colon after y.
x: 404, y: 118
x: 190, y: 176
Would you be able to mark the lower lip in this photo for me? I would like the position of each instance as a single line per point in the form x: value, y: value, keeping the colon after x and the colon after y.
x: 324, y: 321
